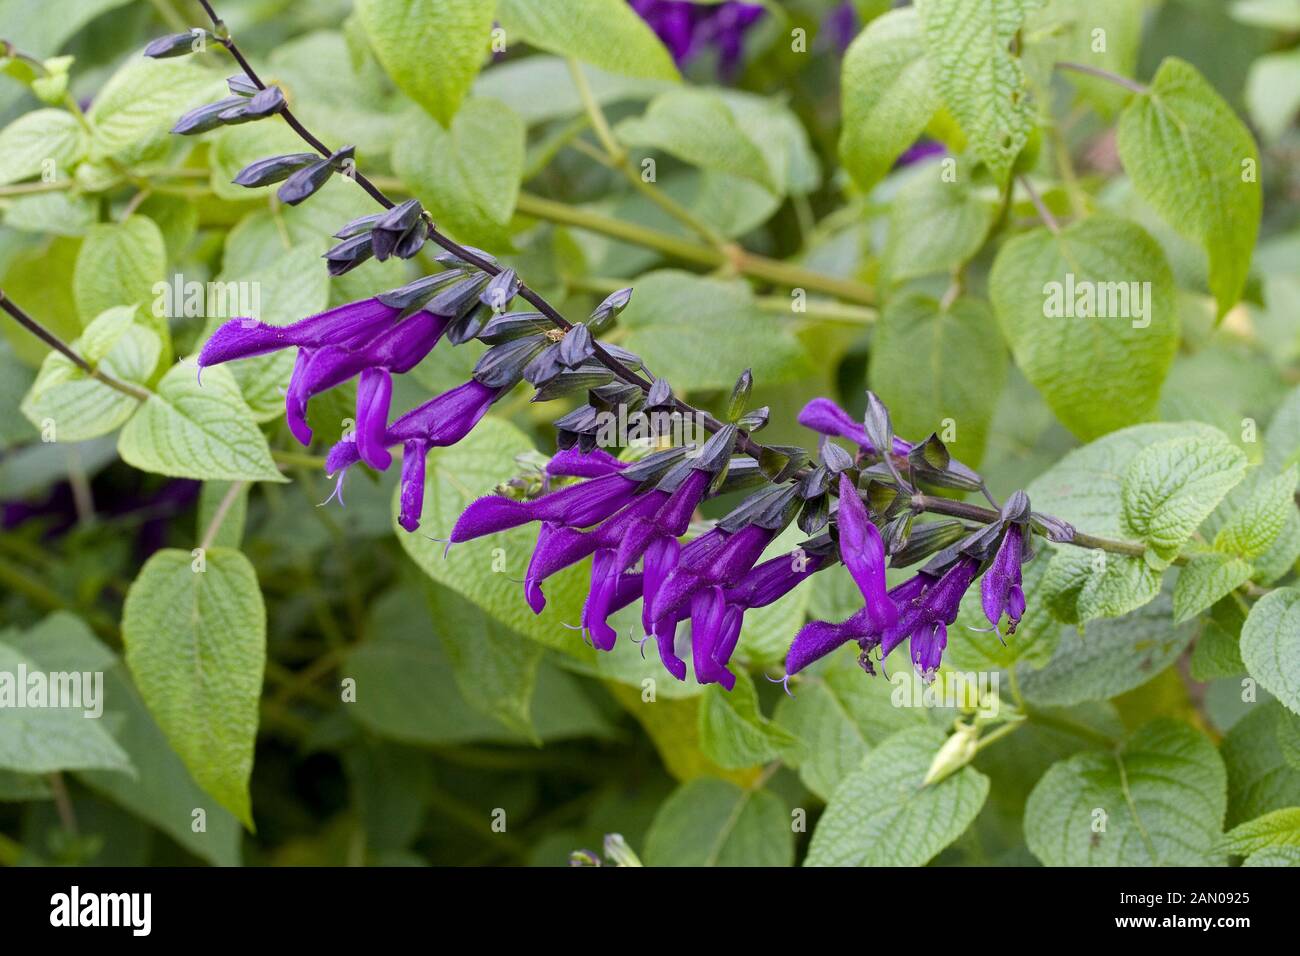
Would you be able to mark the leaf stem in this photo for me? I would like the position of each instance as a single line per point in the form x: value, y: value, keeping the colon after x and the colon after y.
x: 1044, y: 213
x: 219, y: 515
x: 54, y: 342
x: 1131, y: 85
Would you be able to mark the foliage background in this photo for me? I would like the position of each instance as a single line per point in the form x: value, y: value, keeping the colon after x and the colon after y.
x: 467, y: 705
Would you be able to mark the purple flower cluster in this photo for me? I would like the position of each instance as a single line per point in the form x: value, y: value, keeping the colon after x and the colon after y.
x: 369, y: 341
x: 630, y: 518
x: 689, y: 29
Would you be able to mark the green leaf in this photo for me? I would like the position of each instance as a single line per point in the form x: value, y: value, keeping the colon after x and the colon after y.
x: 604, y: 33
x: 940, y: 369
x: 680, y: 323
x: 487, y: 571
x: 1253, y: 527
x: 162, y: 790
x: 188, y: 430
x: 196, y: 646
x: 1085, y: 489
x: 133, y: 112
x: 698, y: 128
x: 467, y: 176
x: 38, y: 137
x: 1270, y: 645
x: 1107, y: 658
x: 881, y: 815
x: 36, y: 738
x: 1097, y: 373
x: 1274, y: 856
x: 1273, y: 92
x: 888, y: 93
x: 406, y: 689
x: 1172, y: 486
x: 981, y: 79
x: 1158, y: 801
x: 1275, y: 830
x: 837, y: 716
x: 1217, y: 652
x: 540, y: 88
x: 58, y: 213
x: 80, y: 407
x: 404, y: 33
x: 495, y: 668
x: 935, y: 225
x: 1205, y: 580
x: 1192, y: 159
x: 710, y: 822
x: 119, y: 264
x: 734, y: 734
x: 1260, y: 778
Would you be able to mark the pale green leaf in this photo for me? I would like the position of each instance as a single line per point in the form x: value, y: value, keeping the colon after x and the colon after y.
x: 1191, y: 157
x: 133, y: 113
x: 837, y: 715
x: 1171, y: 487
x: 80, y: 407
x: 192, y: 430
x: 1206, y: 579
x: 1253, y: 527
x: 467, y: 176
x: 119, y: 264
x: 196, y: 646
x: 43, y: 142
x: 431, y: 48
x: 1275, y: 830
x: 1158, y: 801
x: 940, y: 369
x: 710, y: 822
x: 36, y: 738
x: 1090, y: 316
x: 604, y: 33
x: 882, y: 815
x: 680, y: 323
x: 983, y: 83
x: 1107, y: 658
x: 1270, y: 645
x: 734, y: 733
x: 935, y: 225
x: 1260, y: 778
x: 699, y: 128
x: 889, y: 95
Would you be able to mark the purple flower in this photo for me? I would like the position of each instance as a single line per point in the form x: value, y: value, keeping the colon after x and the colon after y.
x: 826, y: 418
x: 924, y: 619
x: 333, y: 347
x: 576, y: 506
x: 439, y: 422
x: 863, y: 553
x: 1001, y: 587
x: 714, y: 559
x: 688, y: 29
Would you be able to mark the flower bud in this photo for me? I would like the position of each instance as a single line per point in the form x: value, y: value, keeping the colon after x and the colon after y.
x: 957, y: 751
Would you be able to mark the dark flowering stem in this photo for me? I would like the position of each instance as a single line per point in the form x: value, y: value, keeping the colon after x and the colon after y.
x: 56, y: 343
x: 744, y: 443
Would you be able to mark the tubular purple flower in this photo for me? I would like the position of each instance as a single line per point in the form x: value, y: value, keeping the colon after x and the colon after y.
x: 720, y: 562
x: 414, y: 454
x: 575, y: 463
x: 826, y: 418
x: 863, y: 553
x: 333, y: 347
x: 575, y: 506
x: 816, y: 639
x: 689, y: 28
x: 374, y: 395
x: 925, y: 618
x: 714, y: 630
x: 1001, y: 587
x: 670, y: 520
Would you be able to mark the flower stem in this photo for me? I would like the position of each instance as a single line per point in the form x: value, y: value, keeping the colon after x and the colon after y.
x: 56, y: 343
x: 1044, y: 213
